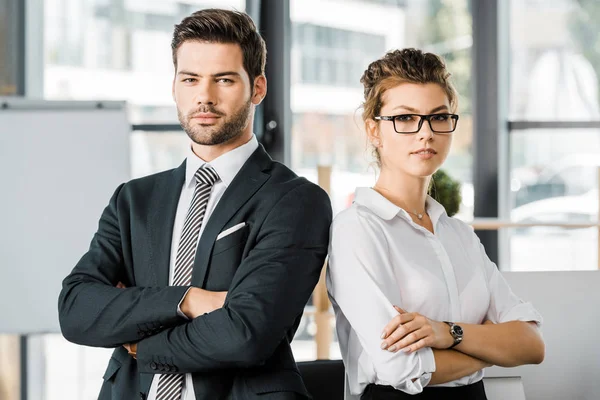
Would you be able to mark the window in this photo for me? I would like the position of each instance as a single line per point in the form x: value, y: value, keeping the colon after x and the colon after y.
x: 10, y: 378
x: 331, y: 56
x: 9, y: 37
x: 157, y: 151
x: 116, y: 50
x: 554, y: 68
x: 555, y: 138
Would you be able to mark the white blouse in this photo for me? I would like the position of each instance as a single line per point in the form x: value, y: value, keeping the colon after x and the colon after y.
x: 379, y: 258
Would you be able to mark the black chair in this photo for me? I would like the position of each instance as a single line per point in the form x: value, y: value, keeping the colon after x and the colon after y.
x: 324, y: 379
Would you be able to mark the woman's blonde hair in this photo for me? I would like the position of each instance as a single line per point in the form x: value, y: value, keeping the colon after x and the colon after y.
x: 403, y: 66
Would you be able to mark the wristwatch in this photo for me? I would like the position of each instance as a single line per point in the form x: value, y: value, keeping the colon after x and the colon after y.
x: 456, y: 332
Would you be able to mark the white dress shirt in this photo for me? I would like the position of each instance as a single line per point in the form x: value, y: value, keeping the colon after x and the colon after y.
x: 227, y: 166
x: 379, y: 258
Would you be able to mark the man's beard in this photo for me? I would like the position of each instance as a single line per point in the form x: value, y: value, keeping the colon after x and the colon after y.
x: 210, y: 135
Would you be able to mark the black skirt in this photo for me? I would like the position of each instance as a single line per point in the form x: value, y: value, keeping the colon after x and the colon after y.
x: 468, y: 392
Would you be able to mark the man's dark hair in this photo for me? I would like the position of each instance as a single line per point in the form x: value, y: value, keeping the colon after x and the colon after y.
x: 223, y: 26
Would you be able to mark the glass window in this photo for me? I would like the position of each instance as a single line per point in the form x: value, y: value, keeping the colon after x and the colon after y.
x: 70, y: 371
x: 343, y: 53
x: 9, y: 51
x: 157, y: 151
x: 554, y: 181
x: 554, y: 171
x: 116, y: 50
x: 554, y: 67
x: 10, y: 367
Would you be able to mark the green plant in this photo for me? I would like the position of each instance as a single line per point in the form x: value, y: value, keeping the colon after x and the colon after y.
x: 446, y: 190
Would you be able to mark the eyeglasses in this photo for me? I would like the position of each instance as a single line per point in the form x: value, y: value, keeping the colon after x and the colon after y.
x: 412, y: 123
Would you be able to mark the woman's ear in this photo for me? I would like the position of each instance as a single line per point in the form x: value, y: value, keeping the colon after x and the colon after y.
x: 373, y: 132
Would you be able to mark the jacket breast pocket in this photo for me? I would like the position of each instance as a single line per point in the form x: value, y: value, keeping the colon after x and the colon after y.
x: 226, y: 258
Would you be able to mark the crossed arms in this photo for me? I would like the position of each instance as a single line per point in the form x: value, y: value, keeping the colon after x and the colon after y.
x: 267, y: 294
x: 408, y: 350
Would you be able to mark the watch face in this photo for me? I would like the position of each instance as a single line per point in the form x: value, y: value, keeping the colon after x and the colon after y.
x: 458, y: 330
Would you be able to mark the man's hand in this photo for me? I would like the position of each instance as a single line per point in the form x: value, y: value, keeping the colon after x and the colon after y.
x: 410, y: 332
x: 131, y: 349
x: 198, y: 302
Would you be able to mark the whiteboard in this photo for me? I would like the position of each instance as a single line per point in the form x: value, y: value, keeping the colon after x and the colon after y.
x: 60, y: 162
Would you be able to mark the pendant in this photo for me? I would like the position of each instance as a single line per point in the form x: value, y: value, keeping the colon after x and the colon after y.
x: 420, y: 216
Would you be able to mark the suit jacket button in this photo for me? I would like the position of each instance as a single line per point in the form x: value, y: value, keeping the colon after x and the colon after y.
x: 153, y: 365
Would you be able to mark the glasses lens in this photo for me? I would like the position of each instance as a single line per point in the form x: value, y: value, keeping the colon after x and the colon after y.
x: 407, y: 123
x: 442, y: 123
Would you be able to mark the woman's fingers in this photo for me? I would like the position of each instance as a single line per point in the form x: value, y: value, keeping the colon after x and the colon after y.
x: 400, y: 310
x: 396, y: 322
x: 410, y: 340
x: 400, y: 332
x: 424, y: 342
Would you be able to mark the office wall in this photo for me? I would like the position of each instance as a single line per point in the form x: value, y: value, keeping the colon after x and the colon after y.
x: 570, y: 305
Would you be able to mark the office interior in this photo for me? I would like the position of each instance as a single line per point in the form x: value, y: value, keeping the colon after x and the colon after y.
x: 526, y: 152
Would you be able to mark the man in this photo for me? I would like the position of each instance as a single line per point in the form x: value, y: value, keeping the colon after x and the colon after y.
x: 199, y: 275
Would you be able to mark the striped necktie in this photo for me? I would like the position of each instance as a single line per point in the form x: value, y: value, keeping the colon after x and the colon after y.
x: 170, y: 386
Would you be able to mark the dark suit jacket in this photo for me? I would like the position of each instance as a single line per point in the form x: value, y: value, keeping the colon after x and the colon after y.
x: 269, y: 268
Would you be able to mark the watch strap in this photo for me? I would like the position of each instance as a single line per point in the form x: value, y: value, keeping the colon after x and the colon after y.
x: 457, y: 338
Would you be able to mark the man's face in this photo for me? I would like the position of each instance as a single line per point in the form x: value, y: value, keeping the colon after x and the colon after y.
x: 213, y: 92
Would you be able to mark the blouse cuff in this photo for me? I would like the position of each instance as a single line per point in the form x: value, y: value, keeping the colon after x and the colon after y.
x: 427, y: 366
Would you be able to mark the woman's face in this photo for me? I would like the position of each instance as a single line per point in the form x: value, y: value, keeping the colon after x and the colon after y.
x: 416, y: 154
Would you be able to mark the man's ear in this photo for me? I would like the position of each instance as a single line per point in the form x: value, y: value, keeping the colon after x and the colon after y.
x: 259, y: 89
x: 173, y: 90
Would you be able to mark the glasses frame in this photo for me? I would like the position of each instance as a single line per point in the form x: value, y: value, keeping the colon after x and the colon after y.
x: 422, y: 117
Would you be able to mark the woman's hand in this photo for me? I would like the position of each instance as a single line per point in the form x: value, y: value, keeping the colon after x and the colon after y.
x: 410, y: 332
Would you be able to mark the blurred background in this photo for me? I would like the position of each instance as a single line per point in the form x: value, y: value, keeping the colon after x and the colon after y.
x: 526, y: 151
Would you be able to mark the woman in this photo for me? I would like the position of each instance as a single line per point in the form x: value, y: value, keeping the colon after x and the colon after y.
x: 420, y: 308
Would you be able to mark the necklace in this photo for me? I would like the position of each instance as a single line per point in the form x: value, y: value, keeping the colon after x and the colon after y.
x: 418, y: 215
x: 415, y: 213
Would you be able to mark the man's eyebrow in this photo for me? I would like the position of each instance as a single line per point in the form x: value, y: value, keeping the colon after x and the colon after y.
x: 217, y: 75
x: 226, y: 73
x: 187, y: 73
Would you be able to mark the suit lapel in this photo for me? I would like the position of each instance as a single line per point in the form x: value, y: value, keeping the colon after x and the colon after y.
x: 165, y: 197
x: 245, y: 184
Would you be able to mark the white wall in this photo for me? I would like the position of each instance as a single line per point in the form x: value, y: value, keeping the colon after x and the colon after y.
x: 570, y: 305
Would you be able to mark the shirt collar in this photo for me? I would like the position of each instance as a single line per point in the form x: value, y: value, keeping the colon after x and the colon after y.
x: 435, y: 210
x: 387, y: 210
x: 226, y: 165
